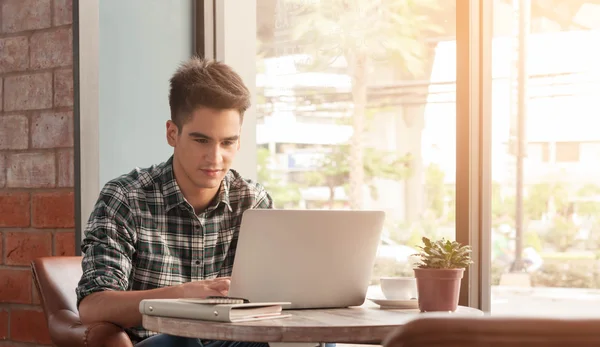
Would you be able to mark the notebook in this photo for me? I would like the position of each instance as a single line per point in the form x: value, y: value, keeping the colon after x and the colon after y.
x: 196, y: 309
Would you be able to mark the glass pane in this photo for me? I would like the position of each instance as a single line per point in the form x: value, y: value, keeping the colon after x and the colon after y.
x: 356, y: 110
x: 136, y: 59
x: 546, y: 151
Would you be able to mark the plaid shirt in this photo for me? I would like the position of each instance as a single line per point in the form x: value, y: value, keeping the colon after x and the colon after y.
x: 143, y: 234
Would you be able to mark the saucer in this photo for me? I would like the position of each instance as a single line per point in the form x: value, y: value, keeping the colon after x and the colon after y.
x: 396, y: 304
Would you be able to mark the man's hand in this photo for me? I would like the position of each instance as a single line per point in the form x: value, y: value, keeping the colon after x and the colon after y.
x: 122, y: 307
x: 201, y: 289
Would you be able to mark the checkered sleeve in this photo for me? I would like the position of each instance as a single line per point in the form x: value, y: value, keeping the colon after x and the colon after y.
x: 263, y: 199
x: 108, y: 246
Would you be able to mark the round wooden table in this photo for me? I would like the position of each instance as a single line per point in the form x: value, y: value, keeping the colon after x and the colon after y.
x: 356, y: 325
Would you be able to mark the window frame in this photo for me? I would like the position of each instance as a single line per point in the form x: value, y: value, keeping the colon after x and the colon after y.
x: 86, y: 102
x: 473, y: 146
x: 234, y: 37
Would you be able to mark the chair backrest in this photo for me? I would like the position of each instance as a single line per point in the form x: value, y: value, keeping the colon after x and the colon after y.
x: 496, y: 331
x: 56, y: 279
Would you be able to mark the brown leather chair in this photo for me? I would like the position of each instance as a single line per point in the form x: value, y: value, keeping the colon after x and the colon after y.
x: 495, y: 331
x: 56, y: 279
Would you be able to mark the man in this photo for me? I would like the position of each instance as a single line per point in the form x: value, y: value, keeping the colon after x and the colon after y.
x: 170, y: 231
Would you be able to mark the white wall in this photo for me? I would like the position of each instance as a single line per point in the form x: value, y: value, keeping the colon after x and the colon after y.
x: 141, y: 43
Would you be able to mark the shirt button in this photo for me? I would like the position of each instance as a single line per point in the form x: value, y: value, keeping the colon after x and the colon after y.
x: 197, y: 262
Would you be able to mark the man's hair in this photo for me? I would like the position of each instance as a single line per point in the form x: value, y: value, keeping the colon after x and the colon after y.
x: 206, y: 83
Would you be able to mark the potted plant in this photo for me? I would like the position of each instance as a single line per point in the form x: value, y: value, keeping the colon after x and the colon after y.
x: 440, y: 268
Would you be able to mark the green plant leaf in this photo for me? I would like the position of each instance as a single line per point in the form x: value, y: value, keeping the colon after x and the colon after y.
x: 443, y: 254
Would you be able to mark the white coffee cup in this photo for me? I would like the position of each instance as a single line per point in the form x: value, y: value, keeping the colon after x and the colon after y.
x: 399, y: 288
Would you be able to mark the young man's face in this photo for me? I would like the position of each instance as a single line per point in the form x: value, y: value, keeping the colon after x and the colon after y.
x: 206, y: 145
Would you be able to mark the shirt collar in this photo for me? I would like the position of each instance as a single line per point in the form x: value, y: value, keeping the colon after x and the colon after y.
x: 223, y: 194
x: 174, y: 197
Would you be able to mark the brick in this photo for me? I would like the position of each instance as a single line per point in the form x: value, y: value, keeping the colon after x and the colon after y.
x: 28, y: 92
x: 1, y: 249
x: 22, y: 247
x: 1, y: 93
x: 51, y: 49
x: 31, y: 170
x: 21, y: 15
x: 3, y: 164
x: 65, y: 168
x: 53, y: 210
x: 52, y: 130
x: 63, y: 12
x: 28, y: 325
x: 14, y: 210
x: 64, y: 243
x: 3, y: 324
x: 12, y: 286
x: 14, y: 54
x: 14, y: 132
x: 63, y: 88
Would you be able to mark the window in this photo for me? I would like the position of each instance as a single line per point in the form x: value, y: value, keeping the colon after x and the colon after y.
x: 567, y: 152
x: 539, y: 152
x: 362, y: 107
x: 590, y: 153
x: 405, y: 113
x: 545, y: 220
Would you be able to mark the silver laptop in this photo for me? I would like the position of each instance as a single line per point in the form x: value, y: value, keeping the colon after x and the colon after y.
x: 311, y: 258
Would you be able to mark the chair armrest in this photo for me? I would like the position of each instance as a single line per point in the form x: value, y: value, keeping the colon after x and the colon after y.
x: 68, y: 331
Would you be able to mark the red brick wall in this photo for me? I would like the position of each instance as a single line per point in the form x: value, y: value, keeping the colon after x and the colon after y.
x: 36, y: 156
